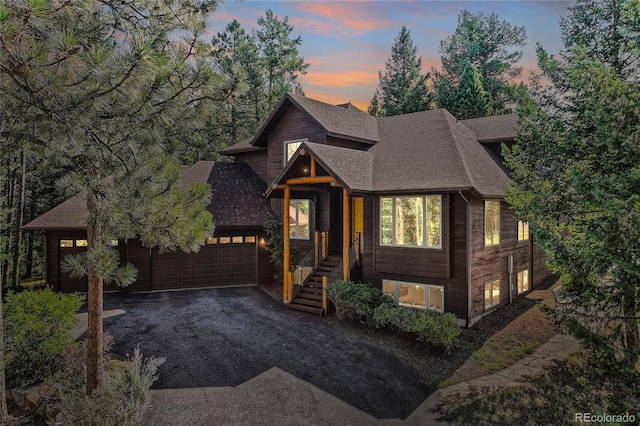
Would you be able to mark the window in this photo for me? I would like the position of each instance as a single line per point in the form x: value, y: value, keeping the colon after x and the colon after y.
x: 290, y: 148
x: 415, y: 295
x: 491, y: 293
x: 225, y: 240
x: 81, y: 243
x: 491, y: 223
x: 66, y: 243
x: 237, y: 240
x: 523, y: 281
x: 212, y: 240
x: 250, y: 239
x: 299, y: 219
x: 114, y: 243
x: 523, y: 230
x: 411, y: 221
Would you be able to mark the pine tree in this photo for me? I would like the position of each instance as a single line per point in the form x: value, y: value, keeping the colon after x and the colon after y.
x: 487, y: 44
x: 260, y: 68
x: 100, y: 87
x: 469, y: 99
x: 402, y: 89
x: 279, y: 57
x: 576, y: 168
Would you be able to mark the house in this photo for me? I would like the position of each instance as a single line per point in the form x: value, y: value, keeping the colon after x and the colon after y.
x: 413, y: 204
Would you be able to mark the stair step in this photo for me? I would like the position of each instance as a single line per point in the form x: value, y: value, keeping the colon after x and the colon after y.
x: 305, y: 308
x: 309, y: 295
x: 308, y: 302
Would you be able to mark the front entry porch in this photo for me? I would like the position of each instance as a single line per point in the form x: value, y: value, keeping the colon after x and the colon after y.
x: 337, y: 226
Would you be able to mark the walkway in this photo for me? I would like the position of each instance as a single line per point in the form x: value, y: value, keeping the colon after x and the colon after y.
x: 276, y: 397
x: 559, y: 347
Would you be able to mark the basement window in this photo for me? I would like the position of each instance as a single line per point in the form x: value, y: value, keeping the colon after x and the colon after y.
x: 523, y: 281
x: 491, y: 294
x: 415, y: 295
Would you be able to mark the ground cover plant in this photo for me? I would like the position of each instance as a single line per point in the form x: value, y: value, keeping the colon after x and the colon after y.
x: 362, y: 303
x: 566, y: 388
x: 37, y: 332
x: 117, y: 402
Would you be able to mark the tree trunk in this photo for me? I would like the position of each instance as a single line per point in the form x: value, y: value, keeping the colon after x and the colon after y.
x: 4, y: 415
x: 17, y: 249
x: 631, y: 331
x: 6, y: 267
x: 95, y: 361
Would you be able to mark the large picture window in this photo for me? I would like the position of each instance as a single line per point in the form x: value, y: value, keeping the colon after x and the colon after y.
x: 415, y: 295
x: 299, y: 213
x: 290, y: 148
x: 411, y: 221
x: 491, y: 223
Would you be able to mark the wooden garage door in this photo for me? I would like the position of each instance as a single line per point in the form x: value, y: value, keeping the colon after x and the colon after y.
x: 222, y: 261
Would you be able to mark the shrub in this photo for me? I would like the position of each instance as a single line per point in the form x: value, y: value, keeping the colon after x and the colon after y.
x: 430, y: 326
x: 37, y: 332
x: 354, y: 302
x: 118, y: 401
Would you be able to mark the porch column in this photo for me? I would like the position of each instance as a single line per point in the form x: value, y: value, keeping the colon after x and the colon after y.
x: 286, y: 263
x: 345, y: 234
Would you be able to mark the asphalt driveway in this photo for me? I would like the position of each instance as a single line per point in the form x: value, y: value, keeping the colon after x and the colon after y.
x: 224, y: 337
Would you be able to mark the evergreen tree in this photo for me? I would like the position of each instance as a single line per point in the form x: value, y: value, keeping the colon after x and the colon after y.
x: 101, y: 88
x: 279, y: 57
x: 487, y: 43
x: 469, y: 99
x: 236, y: 57
x: 402, y: 89
x: 577, y: 170
x: 260, y: 68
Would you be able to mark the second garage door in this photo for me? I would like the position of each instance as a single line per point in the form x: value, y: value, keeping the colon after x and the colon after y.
x: 222, y: 261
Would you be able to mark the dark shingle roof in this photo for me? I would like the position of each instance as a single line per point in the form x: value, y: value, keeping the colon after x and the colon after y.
x: 426, y: 151
x: 336, y: 121
x: 71, y: 214
x: 431, y: 151
x: 236, y: 199
x: 242, y: 146
x: 496, y: 128
x: 339, y: 121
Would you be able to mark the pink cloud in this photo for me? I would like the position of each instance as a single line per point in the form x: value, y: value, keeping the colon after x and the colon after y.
x: 340, y: 18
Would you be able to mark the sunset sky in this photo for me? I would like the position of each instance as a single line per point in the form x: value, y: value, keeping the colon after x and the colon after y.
x: 346, y: 43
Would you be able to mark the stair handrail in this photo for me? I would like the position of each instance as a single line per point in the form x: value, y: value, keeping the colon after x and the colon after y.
x: 309, y: 263
x: 354, y: 257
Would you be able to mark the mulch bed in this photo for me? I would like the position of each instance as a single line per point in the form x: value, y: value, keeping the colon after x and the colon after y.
x: 435, y: 366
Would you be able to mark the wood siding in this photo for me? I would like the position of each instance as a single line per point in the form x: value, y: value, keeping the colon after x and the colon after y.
x: 294, y: 124
x: 257, y: 161
x: 491, y: 263
x: 445, y: 267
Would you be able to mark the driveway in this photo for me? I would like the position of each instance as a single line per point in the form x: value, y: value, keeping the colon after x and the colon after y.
x: 224, y: 337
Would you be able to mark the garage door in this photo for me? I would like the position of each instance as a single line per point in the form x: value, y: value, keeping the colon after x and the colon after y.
x: 222, y: 261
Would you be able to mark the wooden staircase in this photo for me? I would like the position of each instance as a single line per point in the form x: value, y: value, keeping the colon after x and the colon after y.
x: 309, y: 298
